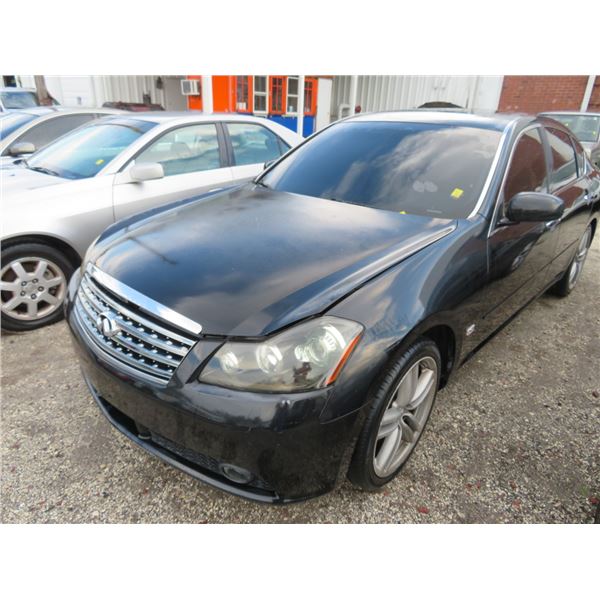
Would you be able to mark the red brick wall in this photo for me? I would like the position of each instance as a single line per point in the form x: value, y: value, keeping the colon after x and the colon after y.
x: 537, y: 93
x: 594, y: 105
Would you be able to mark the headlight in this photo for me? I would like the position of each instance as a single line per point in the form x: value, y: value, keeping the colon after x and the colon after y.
x: 310, y: 355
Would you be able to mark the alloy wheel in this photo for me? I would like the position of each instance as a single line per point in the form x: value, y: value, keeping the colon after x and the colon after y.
x: 31, y: 288
x: 405, y: 416
x: 579, y: 260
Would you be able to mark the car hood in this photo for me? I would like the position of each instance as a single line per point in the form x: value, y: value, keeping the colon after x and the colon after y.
x: 249, y: 261
x: 15, y: 178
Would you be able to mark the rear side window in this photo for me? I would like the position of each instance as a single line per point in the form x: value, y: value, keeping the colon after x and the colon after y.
x: 42, y: 134
x: 564, y: 164
x: 254, y: 144
x: 185, y: 150
x: 527, y: 171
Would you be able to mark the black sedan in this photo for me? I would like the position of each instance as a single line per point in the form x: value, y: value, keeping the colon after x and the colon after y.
x: 272, y: 338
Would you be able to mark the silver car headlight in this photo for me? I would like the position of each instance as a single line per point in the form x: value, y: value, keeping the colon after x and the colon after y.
x: 308, y: 356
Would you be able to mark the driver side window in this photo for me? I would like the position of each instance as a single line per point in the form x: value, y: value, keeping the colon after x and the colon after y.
x: 527, y: 171
x: 185, y: 150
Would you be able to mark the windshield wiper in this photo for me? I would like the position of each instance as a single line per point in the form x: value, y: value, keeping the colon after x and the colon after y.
x: 44, y: 170
x: 262, y: 184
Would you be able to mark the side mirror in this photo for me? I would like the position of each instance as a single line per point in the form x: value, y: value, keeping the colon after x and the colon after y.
x: 534, y: 207
x: 21, y: 148
x: 146, y: 172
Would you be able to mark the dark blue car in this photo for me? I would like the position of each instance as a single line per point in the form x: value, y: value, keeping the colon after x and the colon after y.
x: 273, y: 338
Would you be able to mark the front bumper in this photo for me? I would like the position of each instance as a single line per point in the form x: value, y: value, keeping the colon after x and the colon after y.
x: 264, y: 447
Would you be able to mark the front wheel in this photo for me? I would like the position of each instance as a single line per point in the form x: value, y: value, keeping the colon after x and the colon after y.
x: 33, y: 286
x: 568, y: 281
x: 400, y: 409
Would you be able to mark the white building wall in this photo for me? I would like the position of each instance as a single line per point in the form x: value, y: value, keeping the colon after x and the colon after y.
x: 94, y: 90
x: 323, y: 117
x: 397, y: 92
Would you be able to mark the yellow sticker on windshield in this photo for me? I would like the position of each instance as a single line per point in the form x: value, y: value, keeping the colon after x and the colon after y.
x: 457, y: 193
x: 99, y: 161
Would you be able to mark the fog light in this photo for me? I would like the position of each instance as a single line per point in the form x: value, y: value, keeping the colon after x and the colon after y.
x: 236, y: 474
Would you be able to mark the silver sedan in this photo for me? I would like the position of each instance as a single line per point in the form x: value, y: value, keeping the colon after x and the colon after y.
x: 59, y: 199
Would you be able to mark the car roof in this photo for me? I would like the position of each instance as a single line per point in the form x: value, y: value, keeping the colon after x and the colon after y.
x: 161, y: 116
x: 497, y: 121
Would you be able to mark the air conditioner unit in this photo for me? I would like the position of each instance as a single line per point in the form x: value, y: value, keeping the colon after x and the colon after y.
x: 189, y: 87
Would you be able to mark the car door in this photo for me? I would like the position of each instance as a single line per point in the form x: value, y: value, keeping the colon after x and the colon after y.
x: 519, y: 254
x: 250, y: 146
x: 569, y: 182
x: 193, y: 158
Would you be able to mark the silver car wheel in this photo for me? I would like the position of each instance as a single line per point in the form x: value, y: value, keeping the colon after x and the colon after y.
x: 405, y: 416
x: 31, y: 288
x: 579, y: 260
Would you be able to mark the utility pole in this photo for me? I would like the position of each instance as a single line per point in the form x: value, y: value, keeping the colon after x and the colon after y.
x: 42, y: 90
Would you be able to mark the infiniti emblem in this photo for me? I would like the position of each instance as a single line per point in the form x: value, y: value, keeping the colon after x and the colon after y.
x: 107, y: 325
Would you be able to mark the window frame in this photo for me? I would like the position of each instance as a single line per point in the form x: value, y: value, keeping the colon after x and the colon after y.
x: 310, y: 86
x: 296, y: 95
x: 249, y: 84
x: 582, y: 169
x: 264, y: 94
x: 273, y: 85
x: 284, y: 147
x: 223, y: 158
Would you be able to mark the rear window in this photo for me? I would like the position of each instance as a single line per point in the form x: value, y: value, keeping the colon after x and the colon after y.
x: 12, y: 121
x: 420, y: 168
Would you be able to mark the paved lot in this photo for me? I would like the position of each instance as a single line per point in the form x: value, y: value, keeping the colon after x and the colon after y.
x: 515, y: 438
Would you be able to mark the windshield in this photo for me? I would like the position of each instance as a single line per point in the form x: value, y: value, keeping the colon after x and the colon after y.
x: 20, y: 99
x: 585, y: 127
x: 420, y: 168
x: 12, y: 121
x: 85, y: 151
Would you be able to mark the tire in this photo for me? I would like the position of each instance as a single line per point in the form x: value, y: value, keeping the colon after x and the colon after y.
x: 26, y: 271
x: 368, y: 468
x: 566, y: 284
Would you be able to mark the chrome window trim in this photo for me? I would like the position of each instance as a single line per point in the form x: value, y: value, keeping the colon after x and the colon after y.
x: 508, y: 163
x: 492, y: 171
x: 149, y: 305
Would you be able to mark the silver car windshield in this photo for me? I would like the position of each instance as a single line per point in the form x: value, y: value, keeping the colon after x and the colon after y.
x: 86, y: 151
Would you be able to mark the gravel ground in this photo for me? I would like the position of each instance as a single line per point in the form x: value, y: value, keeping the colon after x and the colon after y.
x: 514, y: 438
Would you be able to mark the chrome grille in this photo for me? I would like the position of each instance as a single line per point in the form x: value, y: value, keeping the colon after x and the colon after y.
x: 151, y: 350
